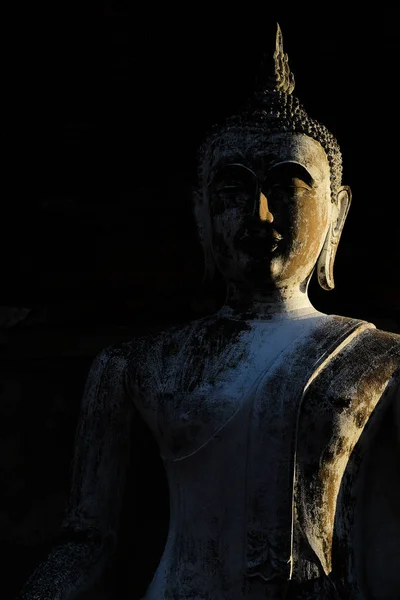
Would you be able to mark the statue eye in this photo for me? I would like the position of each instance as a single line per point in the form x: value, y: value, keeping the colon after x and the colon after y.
x: 290, y: 187
x: 234, y: 194
x: 233, y: 185
x: 287, y: 188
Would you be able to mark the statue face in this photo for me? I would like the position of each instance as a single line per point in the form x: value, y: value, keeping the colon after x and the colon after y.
x: 270, y: 213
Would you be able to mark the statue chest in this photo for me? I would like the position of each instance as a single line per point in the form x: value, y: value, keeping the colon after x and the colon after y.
x: 183, y: 421
x: 195, y: 385
x: 227, y: 451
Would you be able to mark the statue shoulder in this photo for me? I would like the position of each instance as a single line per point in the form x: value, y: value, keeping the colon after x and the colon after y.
x: 378, y: 348
x: 369, y: 345
x: 363, y: 364
x: 110, y: 363
x: 150, y: 355
x: 115, y: 355
x: 159, y: 340
x: 388, y: 336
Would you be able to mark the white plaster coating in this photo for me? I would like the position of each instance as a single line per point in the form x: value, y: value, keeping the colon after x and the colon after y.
x: 210, y: 508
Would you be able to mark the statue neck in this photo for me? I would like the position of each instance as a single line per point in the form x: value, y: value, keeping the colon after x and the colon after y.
x: 246, y: 304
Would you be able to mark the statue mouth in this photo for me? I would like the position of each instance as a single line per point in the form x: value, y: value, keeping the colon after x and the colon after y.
x: 261, y: 241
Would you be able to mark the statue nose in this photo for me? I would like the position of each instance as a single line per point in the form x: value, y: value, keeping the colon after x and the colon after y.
x: 263, y: 210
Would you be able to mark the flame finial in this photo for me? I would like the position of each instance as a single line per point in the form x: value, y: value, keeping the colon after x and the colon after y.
x: 282, y: 80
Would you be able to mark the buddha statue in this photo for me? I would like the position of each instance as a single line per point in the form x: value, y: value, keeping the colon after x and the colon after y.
x: 278, y: 425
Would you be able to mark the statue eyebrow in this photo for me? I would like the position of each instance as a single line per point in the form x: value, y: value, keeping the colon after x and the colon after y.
x: 234, y: 158
x: 292, y: 168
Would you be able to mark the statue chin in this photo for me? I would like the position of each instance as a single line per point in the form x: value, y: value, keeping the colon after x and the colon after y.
x: 274, y: 271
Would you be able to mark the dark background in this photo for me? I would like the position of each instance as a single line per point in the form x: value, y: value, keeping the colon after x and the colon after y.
x: 104, y: 116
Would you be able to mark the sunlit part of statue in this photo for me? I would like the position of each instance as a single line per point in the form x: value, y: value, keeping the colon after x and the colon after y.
x: 279, y: 426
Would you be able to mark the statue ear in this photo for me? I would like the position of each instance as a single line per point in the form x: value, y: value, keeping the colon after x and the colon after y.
x: 326, y: 259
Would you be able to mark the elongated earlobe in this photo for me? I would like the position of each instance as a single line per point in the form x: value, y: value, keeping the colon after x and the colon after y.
x: 325, y: 263
x: 326, y: 259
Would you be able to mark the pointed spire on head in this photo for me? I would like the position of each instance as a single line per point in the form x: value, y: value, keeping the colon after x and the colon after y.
x: 282, y: 80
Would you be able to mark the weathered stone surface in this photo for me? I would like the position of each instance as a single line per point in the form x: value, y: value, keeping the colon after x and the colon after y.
x: 267, y: 414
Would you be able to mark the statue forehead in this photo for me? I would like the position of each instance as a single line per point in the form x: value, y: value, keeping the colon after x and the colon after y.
x: 271, y: 149
x: 299, y: 148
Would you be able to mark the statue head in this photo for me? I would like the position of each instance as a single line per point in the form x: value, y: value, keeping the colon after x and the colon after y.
x: 270, y: 206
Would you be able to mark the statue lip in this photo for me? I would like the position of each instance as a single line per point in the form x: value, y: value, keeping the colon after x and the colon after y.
x: 266, y: 239
x: 262, y: 234
x: 277, y: 236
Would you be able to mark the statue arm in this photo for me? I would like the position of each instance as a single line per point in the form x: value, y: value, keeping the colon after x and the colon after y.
x: 99, y: 470
x: 397, y: 408
x: 381, y: 504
